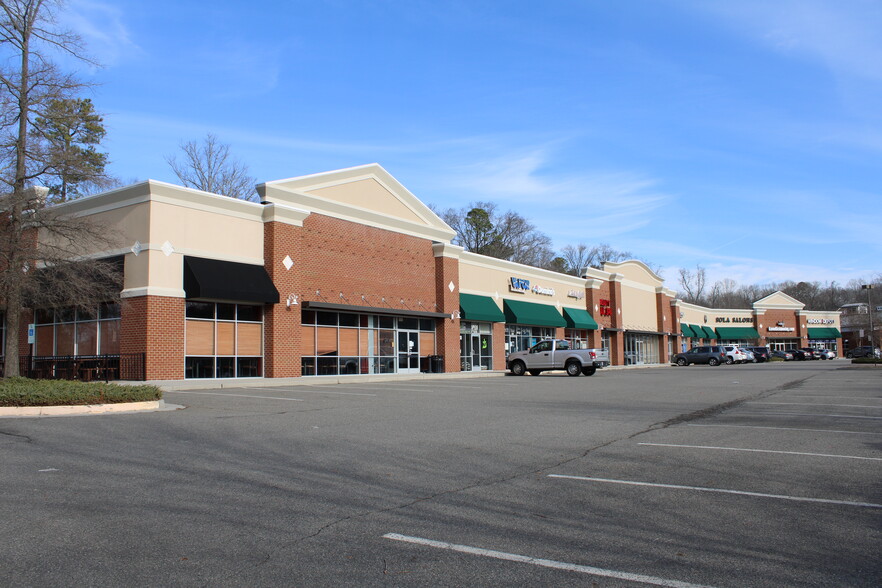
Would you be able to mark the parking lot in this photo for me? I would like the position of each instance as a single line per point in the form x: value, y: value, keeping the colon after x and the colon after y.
x: 743, y: 475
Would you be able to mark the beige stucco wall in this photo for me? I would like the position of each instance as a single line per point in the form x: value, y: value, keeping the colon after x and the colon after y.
x: 371, y: 195
x: 492, y: 277
x: 638, y: 307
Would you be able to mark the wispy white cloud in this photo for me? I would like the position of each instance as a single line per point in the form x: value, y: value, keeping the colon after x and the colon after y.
x: 102, y: 27
x: 844, y: 36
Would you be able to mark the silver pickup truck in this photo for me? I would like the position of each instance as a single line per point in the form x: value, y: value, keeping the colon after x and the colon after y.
x: 555, y: 354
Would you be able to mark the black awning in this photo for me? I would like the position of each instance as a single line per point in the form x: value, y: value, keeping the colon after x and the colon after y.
x: 372, y: 309
x: 214, y: 279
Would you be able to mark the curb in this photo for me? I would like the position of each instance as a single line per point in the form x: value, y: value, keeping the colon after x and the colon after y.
x: 86, y: 409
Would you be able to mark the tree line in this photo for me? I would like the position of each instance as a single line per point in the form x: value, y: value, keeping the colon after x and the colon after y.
x: 727, y: 293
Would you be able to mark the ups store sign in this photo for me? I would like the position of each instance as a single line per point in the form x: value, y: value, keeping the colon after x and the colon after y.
x: 735, y: 319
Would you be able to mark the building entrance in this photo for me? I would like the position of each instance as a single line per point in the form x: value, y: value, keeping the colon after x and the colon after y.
x: 408, y: 352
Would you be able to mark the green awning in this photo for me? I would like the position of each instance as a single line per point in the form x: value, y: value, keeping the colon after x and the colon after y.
x: 824, y: 333
x: 578, y: 318
x: 709, y: 332
x: 687, y: 330
x: 480, y: 308
x: 737, y: 333
x: 529, y: 313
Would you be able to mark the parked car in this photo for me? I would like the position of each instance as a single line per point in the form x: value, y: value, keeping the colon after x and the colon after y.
x: 761, y: 354
x: 799, y: 354
x: 709, y: 354
x: 828, y: 354
x: 749, y: 357
x: 863, y: 351
x: 734, y: 354
x: 785, y: 355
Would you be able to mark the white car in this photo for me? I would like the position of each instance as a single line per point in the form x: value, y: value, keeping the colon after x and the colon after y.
x: 734, y: 354
x: 828, y: 354
x: 749, y: 357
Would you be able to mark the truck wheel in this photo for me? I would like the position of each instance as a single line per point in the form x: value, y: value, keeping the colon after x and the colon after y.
x: 535, y: 372
x: 589, y: 371
x: 518, y: 368
x: 573, y: 368
x: 682, y: 362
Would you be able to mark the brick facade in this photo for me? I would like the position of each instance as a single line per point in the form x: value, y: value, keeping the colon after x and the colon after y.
x: 154, y: 325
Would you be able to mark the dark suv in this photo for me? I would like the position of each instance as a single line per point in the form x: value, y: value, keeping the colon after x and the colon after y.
x: 760, y: 353
x: 709, y: 354
x: 862, y: 351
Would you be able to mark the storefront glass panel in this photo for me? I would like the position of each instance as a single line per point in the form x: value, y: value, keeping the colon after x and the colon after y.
x: 641, y: 348
x: 522, y: 337
x: 222, y: 340
x: 476, y: 346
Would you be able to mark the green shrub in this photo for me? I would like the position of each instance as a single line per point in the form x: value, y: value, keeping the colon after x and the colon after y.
x: 27, y: 392
x: 776, y: 359
x: 866, y: 360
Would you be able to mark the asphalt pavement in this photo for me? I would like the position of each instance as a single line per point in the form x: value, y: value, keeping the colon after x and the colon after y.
x: 743, y: 475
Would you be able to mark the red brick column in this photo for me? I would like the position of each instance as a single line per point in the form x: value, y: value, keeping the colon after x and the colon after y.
x: 282, y: 335
x: 617, y: 338
x: 447, y: 301
x: 154, y: 325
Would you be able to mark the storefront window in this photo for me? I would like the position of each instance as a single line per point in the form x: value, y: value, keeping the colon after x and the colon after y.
x: 223, y: 340
x: 476, y: 346
x: 68, y: 331
x: 578, y: 338
x: 347, y: 343
x: 521, y: 337
x: 641, y: 348
x: 782, y: 344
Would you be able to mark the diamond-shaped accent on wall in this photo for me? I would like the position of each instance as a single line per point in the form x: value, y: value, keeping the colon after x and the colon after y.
x: 167, y: 248
x: 288, y: 262
x: 137, y: 248
x: 451, y: 287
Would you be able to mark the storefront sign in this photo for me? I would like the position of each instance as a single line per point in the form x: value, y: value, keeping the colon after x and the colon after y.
x: 577, y: 294
x: 605, y: 309
x: 543, y: 291
x: 519, y: 285
x: 821, y: 321
x: 735, y: 319
x: 781, y: 329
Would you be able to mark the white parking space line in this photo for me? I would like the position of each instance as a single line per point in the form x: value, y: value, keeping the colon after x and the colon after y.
x: 810, y: 414
x: 300, y: 390
x: 233, y: 395
x: 434, y: 386
x: 789, y: 429
x: 833, y: 396
x: 761, y: 451
x: 546, y: 563
x: 817, y: 404
x: 719, y: 490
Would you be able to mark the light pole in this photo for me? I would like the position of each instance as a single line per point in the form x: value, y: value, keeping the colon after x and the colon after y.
x: 869, y: 287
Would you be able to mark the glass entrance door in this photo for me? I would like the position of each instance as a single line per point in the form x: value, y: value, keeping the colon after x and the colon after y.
x: 408, y: 352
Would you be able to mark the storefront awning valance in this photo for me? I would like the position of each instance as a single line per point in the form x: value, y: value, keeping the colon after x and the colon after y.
x: 578, y: 318
x: 824, y: 333
x: 708, y: 332
x: 215, y: 279
x: 530, y: 313
x: 480, y: 308
x: 737, y: 333
x: 687, y: 330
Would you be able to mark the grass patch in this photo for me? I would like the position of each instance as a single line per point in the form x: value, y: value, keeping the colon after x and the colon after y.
x: 27, y: 392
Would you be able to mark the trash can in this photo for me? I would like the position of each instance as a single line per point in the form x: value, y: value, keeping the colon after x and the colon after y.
x: 437, y: 364
x: 426, y: 364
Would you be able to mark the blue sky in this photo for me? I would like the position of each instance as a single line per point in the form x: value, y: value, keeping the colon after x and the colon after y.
x: 742, y: 136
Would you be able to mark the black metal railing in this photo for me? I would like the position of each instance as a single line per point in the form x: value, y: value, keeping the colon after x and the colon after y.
x: 88, y: 368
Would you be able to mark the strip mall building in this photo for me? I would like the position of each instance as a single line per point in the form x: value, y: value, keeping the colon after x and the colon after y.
x: 347, y: 272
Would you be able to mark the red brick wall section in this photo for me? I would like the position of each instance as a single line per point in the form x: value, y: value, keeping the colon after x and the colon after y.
x: 154, y: 325
x: 771, y: 319
x: 282, y: 333
x: 369, y: 266
x: 617, y: 339
x: 499, y: 346
x: 447, y: 330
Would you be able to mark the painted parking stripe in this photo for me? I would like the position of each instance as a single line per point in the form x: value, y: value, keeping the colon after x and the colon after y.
x: 233, y: 395
x: 832, y: 396
x: 811, y: 414
x: 546, y: 563
x: 719, y: 490
x: 300, y: 390
x: 761, y: 451
x: 818, y: 404
x: 789, y: 429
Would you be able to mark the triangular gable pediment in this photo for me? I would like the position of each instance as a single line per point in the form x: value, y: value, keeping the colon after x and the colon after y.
x: 779, y: 300
x: 367, y: 194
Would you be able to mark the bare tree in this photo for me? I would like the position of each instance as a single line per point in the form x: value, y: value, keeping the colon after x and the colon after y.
x: 693, y: 284
x: 208, y: 166
x: 36, y: 243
